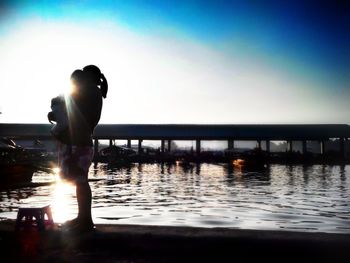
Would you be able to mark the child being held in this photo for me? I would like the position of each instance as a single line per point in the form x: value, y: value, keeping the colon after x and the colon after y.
x: 58, y: 114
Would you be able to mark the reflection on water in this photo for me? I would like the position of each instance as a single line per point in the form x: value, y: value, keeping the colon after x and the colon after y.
x: 61, y: 201
x: 304, y: 198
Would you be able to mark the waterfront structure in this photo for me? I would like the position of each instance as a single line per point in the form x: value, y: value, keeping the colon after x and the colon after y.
x: 169, y: 132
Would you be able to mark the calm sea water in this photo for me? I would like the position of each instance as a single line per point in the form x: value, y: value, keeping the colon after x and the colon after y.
x: 301, y: 198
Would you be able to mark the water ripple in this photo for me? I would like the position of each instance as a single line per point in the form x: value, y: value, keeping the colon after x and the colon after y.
x: 303, y: 198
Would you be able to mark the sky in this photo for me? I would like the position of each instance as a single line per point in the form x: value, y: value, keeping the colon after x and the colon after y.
x: 208, y: 62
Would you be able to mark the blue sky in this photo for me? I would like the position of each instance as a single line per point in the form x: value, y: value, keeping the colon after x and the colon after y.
x: 251, y: 61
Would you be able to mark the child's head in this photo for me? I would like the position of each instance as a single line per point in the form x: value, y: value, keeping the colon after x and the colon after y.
x: 58, y: 108
x: 56, y: 101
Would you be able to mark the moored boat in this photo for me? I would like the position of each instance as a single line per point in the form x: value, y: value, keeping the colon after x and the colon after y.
x: 13, y: 173
x: 254, y: 159
x: 14, y: 165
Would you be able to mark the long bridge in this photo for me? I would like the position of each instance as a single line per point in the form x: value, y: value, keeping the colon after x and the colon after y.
x: 223, y: 132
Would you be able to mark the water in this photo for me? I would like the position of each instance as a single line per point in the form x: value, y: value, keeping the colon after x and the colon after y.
x: 299, y: 198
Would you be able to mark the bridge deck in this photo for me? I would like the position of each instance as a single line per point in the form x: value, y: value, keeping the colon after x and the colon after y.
x: 191, y: 131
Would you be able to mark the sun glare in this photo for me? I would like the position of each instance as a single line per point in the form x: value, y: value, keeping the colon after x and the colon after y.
x: 56, y: 172
x: 62, y: 208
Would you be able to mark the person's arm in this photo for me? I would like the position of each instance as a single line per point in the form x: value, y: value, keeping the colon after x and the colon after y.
x: 51, y: 114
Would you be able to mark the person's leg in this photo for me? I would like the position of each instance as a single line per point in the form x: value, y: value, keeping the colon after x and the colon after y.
x: 84, y: 197
x: 65, y: 164
x: 79, y: 169
x: 83, y: 190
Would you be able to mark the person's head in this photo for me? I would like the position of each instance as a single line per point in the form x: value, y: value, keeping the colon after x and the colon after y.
x: 78, y: 79
x: 95, y: 77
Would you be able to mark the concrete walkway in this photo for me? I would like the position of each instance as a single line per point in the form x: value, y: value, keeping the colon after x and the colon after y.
x: 135, y: 243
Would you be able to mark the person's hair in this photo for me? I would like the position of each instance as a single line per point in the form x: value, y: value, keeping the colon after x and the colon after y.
x: 95, y: 77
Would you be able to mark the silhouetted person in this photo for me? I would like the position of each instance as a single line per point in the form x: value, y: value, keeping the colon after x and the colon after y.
x: 58, y: 116
x: 83, y: 107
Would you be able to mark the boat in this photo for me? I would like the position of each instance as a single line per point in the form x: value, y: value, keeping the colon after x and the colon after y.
x: 16, y: 173
x: 15, y: 166
x: 116, y: 154
x: 255, y: 159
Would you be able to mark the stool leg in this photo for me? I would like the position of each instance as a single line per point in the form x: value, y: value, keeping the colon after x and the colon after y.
x: 19, y: 220
x: 28, y: 220
x: 40, y: 221
x: 49, y: 216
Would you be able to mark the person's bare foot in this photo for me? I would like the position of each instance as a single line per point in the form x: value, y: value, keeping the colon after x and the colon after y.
x: 71, y: 223
x: 82, y: 227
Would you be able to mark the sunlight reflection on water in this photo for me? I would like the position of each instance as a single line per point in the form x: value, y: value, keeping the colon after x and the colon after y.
x: 61, y: 203
x: 305, y: 198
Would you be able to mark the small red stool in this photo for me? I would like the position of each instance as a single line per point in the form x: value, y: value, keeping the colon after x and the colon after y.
x: 28, y: 217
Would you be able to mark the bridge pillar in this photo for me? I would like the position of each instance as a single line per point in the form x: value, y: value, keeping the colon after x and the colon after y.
x: 162, y: 146
x: 290, y: 146
x: 129, y: 144
x: 169, y: 145
x: 230, y: 145
x: 198, y: 147
x: 110, y: 142
x: 140, y: 147
x: 323, y: 147
x: 258, y: 144
x: 342, y: 147
x: 304, y: 142
x: 267, y: 142
x: 96, y: 149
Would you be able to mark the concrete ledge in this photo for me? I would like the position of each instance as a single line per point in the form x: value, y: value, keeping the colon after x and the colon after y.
x: 135, y: 243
